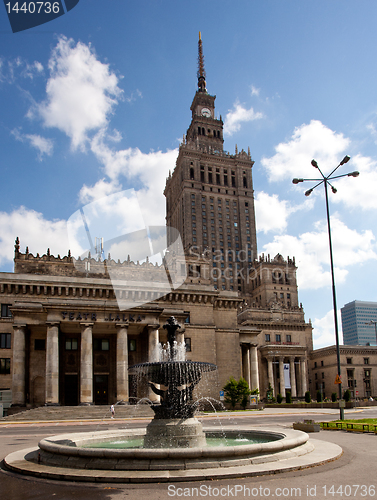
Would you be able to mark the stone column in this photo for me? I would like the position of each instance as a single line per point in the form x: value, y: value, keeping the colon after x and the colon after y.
x: 86, y: 364
x: 254, y: 374
x: 246, y: 362
x: 52, y: 364
x: 122, y: 363
x: 18, y: 366
x: 281, y: 373
x: 293, y: 376
x: 153, y: 341
x: 270, y: 371
x: 304, y: 385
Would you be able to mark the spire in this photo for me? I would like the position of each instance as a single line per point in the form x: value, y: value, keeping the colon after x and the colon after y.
x: 201, y: 70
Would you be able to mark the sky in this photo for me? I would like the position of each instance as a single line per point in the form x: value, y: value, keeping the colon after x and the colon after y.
x: 97, y: 101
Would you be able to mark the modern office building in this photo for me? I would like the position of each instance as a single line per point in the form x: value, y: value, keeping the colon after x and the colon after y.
x: 359, y: 323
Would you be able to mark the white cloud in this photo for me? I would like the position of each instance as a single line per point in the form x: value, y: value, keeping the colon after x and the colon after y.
x: 33, y: 231
x: 271, y: 213
x: 311, y: 250
x: 81, y: 92
x: 324, y: 330
x: 149, y: 170
x: 254, y: 90
x: 292, y: 158
x: 234, y: 118
x: 41, y: 144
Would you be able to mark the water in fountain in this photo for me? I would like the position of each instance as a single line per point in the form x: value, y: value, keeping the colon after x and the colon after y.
x: 173, y: 380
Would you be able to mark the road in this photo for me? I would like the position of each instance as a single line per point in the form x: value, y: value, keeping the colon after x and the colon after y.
x: 351, y: 476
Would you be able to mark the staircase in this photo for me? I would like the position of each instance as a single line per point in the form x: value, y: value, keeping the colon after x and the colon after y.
x: 51, y: 413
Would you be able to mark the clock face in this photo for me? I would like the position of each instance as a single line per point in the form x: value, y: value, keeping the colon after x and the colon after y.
x: 206, y: 112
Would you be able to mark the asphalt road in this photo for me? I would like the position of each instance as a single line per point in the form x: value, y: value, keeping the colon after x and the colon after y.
x: 353, y: 475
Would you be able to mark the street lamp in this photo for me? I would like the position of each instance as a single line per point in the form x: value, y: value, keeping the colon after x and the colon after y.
x: 373, y: 322
x: 325, y: 181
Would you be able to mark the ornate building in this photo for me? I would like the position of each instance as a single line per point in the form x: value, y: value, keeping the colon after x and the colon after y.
x: 66, y: 340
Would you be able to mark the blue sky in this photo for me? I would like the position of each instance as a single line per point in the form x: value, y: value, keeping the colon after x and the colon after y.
x: 98, y: 100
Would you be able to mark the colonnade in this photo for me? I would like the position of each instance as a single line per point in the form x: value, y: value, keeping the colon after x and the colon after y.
x: 86, y: 362
x: 250, y: 365
x: 298, y: 381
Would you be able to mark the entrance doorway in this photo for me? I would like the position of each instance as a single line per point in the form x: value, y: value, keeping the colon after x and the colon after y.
x: 101, y: 389
x: 71, y: 390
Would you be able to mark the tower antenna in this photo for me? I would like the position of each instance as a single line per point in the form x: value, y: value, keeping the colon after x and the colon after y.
x: 201, y: 70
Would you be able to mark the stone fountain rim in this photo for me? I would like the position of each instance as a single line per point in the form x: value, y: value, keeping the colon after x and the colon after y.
x: 58, y: 445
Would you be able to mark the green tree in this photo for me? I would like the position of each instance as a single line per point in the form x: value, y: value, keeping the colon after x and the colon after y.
x: 231, y: 392
x: 319, y: 397
x: 308, y: 398
x: 288, y: 398
x: 269, y: 393
x: 279, y: 398
x: 244, y: 392
x: 334, y: 397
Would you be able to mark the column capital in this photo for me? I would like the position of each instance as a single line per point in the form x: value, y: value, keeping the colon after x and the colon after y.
x: 86, y: 325
x: 119, y: 326
x: 19, y: 327
x: 53, y: 323
x: 153, y: 326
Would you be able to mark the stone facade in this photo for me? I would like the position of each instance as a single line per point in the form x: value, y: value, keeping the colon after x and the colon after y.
x: 358, y: 366
x: 73, y: 334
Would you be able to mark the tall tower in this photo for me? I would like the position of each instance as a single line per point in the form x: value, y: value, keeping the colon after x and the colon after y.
x: 210, y: 197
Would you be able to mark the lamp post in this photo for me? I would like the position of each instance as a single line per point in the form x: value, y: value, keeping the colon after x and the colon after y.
x: 373, y: 322
x: 325, y: 181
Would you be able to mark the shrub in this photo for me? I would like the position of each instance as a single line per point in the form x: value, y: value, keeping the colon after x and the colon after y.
x: 288, y: 398
x: 347, y: 396
x: 334, y: 397
x: 279, y: 398
x: 308, y: 398
x: 319, y: 397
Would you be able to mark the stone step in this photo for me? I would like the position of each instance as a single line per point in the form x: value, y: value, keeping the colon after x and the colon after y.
x: 46, y: 413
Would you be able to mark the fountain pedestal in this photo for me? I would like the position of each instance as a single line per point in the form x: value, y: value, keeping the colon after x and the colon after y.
x: 175, y: 433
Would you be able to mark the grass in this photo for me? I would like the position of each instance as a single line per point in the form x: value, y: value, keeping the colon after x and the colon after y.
x: 362, y: 425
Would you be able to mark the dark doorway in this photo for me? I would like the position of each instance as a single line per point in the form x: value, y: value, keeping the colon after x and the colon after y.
x: 101, y: 389
x: 71, y: 390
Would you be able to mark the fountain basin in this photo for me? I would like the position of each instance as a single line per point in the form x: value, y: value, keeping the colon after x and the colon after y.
x: 73, y: 451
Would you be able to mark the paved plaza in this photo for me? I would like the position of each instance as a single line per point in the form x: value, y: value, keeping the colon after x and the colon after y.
x: 350, y: 476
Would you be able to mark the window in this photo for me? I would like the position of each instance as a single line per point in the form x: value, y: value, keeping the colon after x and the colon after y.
x: 5, y: 342
x: 267, y: 337
x: 366, y: 361
x: 187, y: 319
x: 132, y: 345
x: 366, y: 373
x: 39, y: 344
x: 5, y: 311
x: 278, y: 337
x: 188, y: 344
x: 289, y: 338
x: 101, y: 345
x: 71, y: 345
x: 349, y: 361
x: 315, y: 364
x: 4, y: 366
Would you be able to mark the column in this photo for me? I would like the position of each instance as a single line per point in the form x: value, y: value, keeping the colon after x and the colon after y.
x: 86, y: 364
x: 18, y: 366
x: 246, y: 362
x: 52, y: 364
x: 153, y: 344
x: 122, y: 363
x: 254, y: 374
x: 293, y: 376
x: 281, y: 373
x: 304, y: 385
x: 270, y: 371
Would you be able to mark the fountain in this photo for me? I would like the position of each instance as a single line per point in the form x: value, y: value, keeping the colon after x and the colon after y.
x: 173, y: 381
x: 174, y: 447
